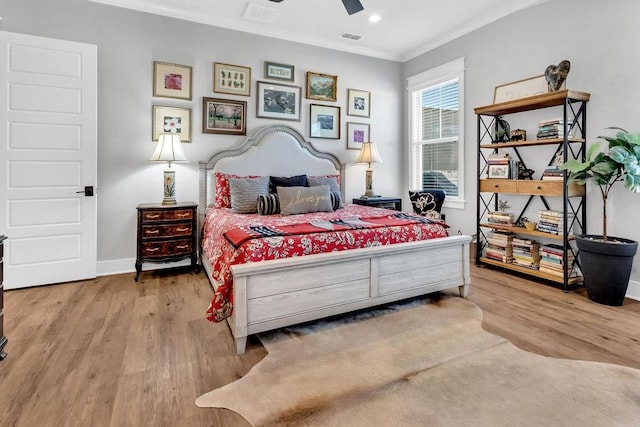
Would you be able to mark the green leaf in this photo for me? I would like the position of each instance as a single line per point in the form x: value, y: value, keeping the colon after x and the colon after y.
x: 574, y: 166
x: 632, y: 183
x: 605, y: 168
x: 619, y: 154
x: 592, y: 150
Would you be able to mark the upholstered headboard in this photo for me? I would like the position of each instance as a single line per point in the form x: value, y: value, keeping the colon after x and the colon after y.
x: 278, y: 150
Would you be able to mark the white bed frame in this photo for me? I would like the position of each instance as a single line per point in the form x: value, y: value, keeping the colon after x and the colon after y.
x: 283, y: 292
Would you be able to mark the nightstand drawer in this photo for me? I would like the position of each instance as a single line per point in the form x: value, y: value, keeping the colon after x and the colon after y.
x: 167, y: 215
x: 166, y: 248
x: 169, y: 230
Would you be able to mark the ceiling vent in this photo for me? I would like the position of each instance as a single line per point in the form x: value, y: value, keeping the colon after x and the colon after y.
x: 351, y: 36
x: 259, y: 13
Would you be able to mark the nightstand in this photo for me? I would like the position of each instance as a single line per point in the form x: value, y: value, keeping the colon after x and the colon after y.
x: 380, y: 202
x: 167, y: 233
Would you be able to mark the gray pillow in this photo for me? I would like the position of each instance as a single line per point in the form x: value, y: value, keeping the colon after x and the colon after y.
x: 332, y: 182
x: 245, y: 192
x: 297, y: 200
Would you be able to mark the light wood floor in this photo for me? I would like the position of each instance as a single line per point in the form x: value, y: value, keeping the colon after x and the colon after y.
x: 114, y: 352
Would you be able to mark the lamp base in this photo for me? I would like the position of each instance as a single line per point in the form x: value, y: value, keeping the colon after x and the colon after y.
x: 369, y: 193
x: 169, y: 188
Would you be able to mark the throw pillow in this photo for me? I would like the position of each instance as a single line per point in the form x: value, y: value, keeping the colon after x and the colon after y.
x: 223, y: 193
x: 297, y: 200
x: 426, y: 202
x: 287, y: 181
x: 331, y: 181
x: 245, y: 192
x: 336, y: 200
x: 268, y: 204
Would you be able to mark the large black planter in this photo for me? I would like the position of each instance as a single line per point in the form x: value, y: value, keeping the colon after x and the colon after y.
x: 606, y: 267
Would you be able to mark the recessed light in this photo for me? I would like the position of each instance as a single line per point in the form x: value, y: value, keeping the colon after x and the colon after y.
x: 375, y: 18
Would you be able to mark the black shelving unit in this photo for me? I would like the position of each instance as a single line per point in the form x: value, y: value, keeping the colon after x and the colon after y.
x: 571, y: 144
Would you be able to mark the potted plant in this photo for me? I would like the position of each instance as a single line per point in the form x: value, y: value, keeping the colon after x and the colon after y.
x: 606, y: 261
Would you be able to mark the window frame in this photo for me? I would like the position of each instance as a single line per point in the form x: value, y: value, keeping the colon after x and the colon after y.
x: 416, y: 84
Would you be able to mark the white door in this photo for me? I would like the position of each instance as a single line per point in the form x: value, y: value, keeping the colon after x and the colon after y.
x: 47, y: 157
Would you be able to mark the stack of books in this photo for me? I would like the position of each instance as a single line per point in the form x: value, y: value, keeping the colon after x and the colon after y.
x: 501, y: 218
x: 526, y: 253
x: 550, y: 221
x: 499, y: 246
x: 552, y: 261
x: 552, y: 173
x: 550, y: 129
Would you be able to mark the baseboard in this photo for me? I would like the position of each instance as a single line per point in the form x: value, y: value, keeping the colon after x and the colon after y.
x: 633, y: 291
x: 121, y: 266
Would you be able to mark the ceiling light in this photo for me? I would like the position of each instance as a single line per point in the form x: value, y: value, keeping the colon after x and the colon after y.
x: 375, y: 18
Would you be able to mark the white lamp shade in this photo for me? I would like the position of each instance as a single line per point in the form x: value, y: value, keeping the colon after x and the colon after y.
x: 168, y: 149
x: 369, y: 153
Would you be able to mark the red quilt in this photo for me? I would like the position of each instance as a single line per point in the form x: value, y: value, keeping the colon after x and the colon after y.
x: 260, y: 238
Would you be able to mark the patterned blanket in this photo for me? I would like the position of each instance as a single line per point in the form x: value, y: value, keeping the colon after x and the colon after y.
x: 237, y: 236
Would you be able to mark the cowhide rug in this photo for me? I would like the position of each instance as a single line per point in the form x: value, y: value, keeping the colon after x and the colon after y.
x: 429, y: 364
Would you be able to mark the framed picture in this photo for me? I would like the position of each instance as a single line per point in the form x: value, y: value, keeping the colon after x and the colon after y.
x: 276, y: 71
x: 324, y: 121
x: 225, y: 116
x: 357, y: 133
x: 322, y: 87
x: 498, y: 171
x: 171, y: 80
x: 520, y: 89
x: 358, y: 103
x: 171, y: 120
x: 232, y: 79
x: 277, y: 101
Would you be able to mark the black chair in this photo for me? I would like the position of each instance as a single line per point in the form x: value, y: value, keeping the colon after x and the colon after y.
x: 427, y: 202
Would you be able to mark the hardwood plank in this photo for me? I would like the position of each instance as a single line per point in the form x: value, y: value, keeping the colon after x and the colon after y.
x: 112, y: 352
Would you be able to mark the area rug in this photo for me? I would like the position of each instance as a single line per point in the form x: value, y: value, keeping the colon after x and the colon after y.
x: 426, y: 364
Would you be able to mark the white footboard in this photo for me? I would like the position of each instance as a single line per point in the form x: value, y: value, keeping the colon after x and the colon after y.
x: 273, y: 294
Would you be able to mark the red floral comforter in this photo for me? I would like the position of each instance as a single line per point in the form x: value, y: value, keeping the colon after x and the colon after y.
x: 222, y: 255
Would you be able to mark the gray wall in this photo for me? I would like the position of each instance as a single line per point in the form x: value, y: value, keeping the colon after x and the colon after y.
x: 128, y: 43
x: 600, y: 39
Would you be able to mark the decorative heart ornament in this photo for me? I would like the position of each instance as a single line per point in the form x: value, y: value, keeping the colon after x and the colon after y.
x: 557, y: 74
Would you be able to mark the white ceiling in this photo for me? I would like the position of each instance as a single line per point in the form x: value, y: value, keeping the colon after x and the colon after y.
x: 408, y: 27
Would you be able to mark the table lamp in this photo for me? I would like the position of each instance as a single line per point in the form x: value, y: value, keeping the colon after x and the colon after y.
x: 169, y: 149
x: 369, y: 154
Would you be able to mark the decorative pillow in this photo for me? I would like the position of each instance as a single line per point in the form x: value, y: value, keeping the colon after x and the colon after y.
x: 245, y: 192
x: 329, y: 180
x: 427, y: 202
x: 223, y: 193
x: 268, y: 204
x: 336, y: 200
x: 287, y: 181
x: 297, y: 200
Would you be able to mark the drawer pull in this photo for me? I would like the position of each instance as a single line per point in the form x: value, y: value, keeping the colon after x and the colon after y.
x: 153, y: 249
x: 152, y: 231
x: 183, y: 215
x: 153, y: 216
x: 538, y: 188
x: 182, y: 247
x: 182, y: 230
x: 496, y: 186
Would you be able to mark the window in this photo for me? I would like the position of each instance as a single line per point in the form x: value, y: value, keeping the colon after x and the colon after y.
x: 436, y: 131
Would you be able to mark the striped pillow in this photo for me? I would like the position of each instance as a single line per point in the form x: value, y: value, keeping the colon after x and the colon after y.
x: 245, y: 192
x: 268, y: 204
x: 336, y: 200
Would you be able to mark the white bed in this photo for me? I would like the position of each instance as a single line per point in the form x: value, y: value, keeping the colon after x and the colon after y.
x: 282, y: 292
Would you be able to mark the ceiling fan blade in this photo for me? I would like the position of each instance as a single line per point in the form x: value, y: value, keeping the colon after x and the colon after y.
x: 352, y: 6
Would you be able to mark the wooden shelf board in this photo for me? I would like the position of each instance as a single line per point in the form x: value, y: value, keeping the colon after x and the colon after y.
x: 536, y: 273
x: 534, y: 142
x: 522, y: 230
x: 545, y: 100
